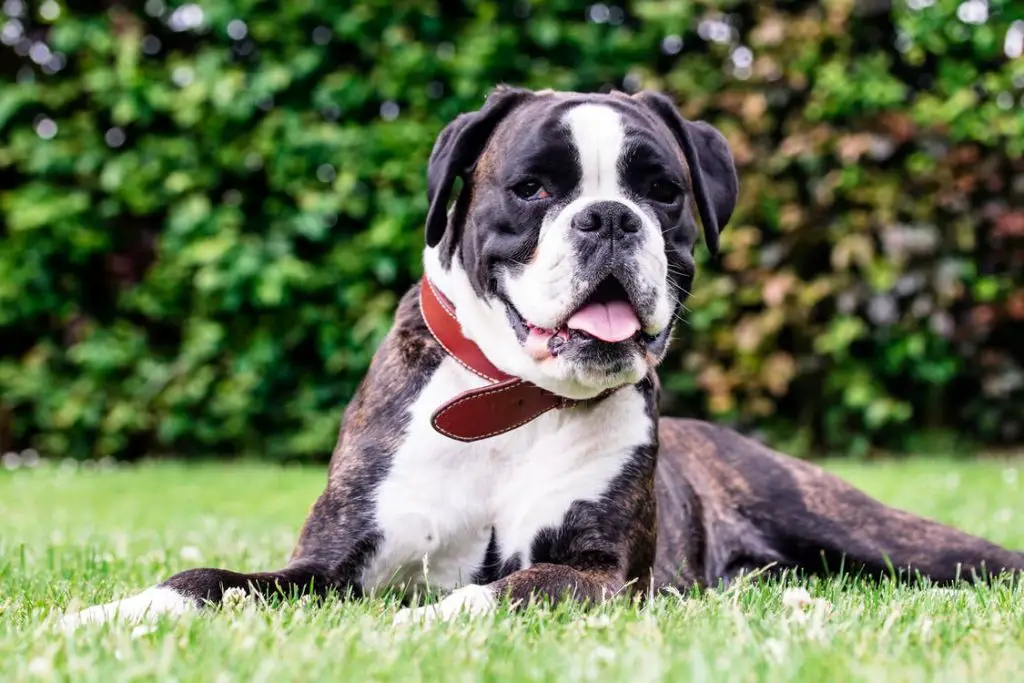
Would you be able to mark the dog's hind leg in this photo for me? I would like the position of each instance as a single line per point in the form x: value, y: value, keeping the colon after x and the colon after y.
x: 824, y: 525
x: 192, y: 589
x: 766, y: 506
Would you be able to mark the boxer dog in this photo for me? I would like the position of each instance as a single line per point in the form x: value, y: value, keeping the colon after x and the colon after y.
x: 506, y: 437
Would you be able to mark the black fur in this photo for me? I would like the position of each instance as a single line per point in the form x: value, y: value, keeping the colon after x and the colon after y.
x: 712, y: 169
x: 696, y: 504
x: 455, y: 153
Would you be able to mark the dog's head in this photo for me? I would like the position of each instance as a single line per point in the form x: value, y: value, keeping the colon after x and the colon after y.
x: 568, y: 251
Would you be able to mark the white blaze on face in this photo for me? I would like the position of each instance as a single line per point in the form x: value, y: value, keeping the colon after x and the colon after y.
x: 545, y: 290
x: 599, y: 137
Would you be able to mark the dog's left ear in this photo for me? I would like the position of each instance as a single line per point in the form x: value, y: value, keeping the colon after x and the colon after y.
x: 457, y: 150
x: 712, y: 168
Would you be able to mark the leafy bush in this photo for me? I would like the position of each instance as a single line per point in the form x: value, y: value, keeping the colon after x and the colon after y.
x: 210, y: 209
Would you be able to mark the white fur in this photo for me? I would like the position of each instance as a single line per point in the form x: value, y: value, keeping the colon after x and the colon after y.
x: 148, y: 605
x: 545, y: 290
x: 485, y: 321
x: 599, y: 138
x: 442, y: 497
x: 470, y: 600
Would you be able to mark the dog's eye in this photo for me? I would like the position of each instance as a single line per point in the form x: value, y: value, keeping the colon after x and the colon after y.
x: 530, y: 190
x: 663, y: 191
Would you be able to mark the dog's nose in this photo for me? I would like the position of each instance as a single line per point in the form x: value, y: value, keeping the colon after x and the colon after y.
x: 608, y: 219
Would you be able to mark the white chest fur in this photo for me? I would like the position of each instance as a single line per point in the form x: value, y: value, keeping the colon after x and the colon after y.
x: 442, y: 498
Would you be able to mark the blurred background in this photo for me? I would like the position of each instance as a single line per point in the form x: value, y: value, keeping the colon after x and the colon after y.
x: 208, y: 210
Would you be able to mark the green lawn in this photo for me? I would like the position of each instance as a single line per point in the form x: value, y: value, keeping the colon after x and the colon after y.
x: 69, y: 537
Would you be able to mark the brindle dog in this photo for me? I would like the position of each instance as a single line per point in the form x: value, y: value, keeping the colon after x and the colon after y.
x: 567, y: 255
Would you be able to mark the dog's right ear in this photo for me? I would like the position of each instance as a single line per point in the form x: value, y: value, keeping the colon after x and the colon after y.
x: 457, y: 149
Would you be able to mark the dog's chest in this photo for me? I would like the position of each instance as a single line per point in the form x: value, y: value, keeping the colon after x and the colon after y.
x: 443, y: 502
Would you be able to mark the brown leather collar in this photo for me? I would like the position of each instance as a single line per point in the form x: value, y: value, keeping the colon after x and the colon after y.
x: 501, y: 406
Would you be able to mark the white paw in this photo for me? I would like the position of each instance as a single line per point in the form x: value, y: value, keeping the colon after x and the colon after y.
x: 472, y: 600
x: 148, y: 605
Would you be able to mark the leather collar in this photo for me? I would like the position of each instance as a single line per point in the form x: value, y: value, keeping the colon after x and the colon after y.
x: 501, y: 406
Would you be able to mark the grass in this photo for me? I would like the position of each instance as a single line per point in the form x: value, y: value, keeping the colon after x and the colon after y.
x: 79, y: 536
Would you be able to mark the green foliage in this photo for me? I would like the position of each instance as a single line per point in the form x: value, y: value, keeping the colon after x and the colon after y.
x: 205, y: 230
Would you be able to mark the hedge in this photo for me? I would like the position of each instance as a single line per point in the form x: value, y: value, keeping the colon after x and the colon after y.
x: 210, y: 209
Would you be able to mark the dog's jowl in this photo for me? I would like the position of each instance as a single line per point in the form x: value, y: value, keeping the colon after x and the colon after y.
x: 506, y: 438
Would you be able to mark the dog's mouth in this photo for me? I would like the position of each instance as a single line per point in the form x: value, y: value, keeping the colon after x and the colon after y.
x: 605, y: 317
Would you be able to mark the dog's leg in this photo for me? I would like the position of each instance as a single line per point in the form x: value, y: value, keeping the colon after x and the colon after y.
x: 796, y: 514
x: 831, y: 525
x: 194, y: 588
x: 542, y: 581
x: 555, y: 582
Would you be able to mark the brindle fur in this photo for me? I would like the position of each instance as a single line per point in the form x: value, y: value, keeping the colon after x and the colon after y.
x: 696, y: 506
x: 750, y: 506
x: 699, y: 506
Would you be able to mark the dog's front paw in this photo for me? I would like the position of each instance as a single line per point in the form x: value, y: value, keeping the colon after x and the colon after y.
x: 471, y: 600
x: 147, y: 605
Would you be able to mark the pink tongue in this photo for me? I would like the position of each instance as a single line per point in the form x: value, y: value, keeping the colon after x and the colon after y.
x: 614, y: 321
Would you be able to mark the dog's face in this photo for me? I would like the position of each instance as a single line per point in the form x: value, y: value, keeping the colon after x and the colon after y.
x: 569, y: 250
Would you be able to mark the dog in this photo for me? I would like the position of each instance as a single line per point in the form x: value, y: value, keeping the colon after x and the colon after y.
x: 506, y: 437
